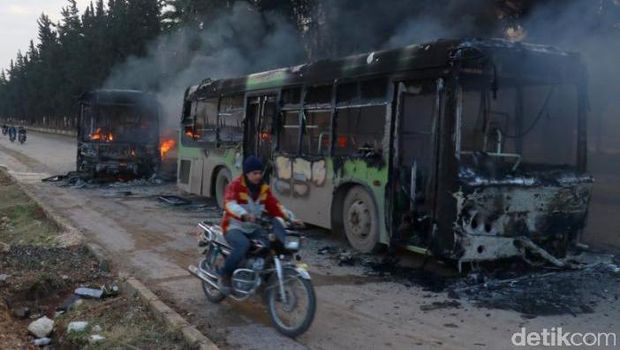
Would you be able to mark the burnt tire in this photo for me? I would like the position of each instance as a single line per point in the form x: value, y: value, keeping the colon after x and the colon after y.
x: 222, y: 180
x: 361, y: 220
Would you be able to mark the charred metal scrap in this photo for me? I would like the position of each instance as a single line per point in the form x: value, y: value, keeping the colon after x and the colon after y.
x: 118, y: 133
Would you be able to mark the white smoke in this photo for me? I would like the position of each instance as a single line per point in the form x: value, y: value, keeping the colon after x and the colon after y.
x: 240, y: 42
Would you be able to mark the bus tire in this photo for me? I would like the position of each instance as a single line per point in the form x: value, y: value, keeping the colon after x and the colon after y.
x: 221, y: 181
x: 361, y: 220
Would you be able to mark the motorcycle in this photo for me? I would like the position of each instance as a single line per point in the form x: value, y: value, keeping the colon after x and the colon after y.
x: 275, y: 271
x: 5, y: 129
x: 21, y: 136
x: 12, y: 134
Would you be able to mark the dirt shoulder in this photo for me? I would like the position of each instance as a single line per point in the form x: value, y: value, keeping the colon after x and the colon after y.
x: 39, y: 272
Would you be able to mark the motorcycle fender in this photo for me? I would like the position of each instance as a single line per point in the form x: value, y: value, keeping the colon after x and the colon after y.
x: 302, y: 272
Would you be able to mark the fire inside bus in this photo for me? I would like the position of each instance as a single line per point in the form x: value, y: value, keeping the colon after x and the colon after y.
x: 470, y: 150
x: 118, y: 133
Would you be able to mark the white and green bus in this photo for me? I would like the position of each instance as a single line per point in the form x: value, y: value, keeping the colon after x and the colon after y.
x: 469, y: 150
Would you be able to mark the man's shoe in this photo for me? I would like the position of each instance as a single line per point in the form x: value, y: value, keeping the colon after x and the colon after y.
x: 223, y: 284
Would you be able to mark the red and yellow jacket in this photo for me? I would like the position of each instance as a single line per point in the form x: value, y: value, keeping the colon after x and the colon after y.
x: 238, y: 202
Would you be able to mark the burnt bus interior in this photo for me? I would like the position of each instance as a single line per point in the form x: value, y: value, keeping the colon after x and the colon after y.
x: 118, y: 133
x: 483, y: 140
x: 499, y: 145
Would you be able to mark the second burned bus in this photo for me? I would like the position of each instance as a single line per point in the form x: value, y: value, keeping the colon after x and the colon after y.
x: 470, y: 150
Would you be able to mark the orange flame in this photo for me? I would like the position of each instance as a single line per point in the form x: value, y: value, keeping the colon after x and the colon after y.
x: 165, y: 146
x: 97, y: 135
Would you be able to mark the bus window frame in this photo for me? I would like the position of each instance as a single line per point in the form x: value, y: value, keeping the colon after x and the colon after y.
x: 359, y: 103
x: 317, y: 108
x: 230, y: 144
x: 279, y: 126
x: 275, y: 121
x: 200, y: 141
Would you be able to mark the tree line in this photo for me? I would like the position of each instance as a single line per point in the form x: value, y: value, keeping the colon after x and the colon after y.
x: 77, y: 54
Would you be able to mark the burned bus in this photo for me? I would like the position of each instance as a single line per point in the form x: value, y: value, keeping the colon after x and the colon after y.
x: 470, y: 150
x: 118, y: 133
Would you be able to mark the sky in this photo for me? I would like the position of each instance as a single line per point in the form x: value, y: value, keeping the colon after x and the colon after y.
x: 18, y: 23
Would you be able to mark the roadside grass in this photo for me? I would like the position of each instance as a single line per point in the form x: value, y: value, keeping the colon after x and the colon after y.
x: 22, y: 221
x: 41, y: 271
x: 124, y: 321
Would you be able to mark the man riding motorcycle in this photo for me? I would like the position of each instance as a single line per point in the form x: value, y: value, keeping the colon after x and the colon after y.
x: 246, y: 198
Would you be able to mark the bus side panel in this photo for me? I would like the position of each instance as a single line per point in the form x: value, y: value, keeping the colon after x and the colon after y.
x: 305, y: 187
x: 189, y: 169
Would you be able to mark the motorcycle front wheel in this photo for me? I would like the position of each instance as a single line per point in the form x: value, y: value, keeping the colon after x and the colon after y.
x: 294, y: 315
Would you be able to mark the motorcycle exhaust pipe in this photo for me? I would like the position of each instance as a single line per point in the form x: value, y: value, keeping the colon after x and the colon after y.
x: 203, y: 275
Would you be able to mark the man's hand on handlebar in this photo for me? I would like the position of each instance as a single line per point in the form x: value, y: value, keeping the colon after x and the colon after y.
x: 248, y: 218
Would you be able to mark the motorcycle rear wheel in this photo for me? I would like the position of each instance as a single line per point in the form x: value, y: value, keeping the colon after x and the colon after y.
x: 213, y: 294
x: 300, y: 295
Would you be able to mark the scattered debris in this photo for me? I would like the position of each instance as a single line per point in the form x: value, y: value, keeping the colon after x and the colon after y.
x: 4, y: 277
x: 183, y: 203
x: 95, y: 338
x: 89, y: 292
x: 69, y: 303
x: 77, y: 326
x: 55, y: 178
x: 428, y: 280
x: 436, y: 305
x: 42, y: 327
x: 110, y: 290
x: 553, y: 293
x: 174, y: 200
x: 327, y: 250
x: 42, y: 341
x: 4, y: 248
x: 346, y: 258
x: 21, y: 312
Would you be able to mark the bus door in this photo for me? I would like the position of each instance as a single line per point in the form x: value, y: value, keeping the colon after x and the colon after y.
x: 415, y: 173
x: 258, y: 140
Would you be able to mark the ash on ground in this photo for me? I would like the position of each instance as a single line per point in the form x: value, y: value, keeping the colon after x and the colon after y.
x: 79, y: 180
x: 545, y: 293
x: 509, y: 286
x: 389, y: 268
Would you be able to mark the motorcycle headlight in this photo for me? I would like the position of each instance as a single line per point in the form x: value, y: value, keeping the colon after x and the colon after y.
x: 292, y: 243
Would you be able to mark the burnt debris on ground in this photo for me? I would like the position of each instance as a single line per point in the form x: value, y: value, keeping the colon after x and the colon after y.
x: 508, y: 285
x: 74, y: 179
x: 546, y: 293
x: 389, y: 268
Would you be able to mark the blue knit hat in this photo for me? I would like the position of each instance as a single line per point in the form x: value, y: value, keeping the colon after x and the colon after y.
x: 252, y: 163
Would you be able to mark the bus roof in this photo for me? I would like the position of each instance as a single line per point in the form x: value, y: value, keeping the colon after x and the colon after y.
x: 438, y: 55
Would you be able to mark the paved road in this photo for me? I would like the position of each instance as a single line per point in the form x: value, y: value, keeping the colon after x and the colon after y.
x: 354, y: 311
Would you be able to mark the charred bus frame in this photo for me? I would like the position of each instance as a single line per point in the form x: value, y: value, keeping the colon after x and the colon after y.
x: 409, y: 146
x: 118, y: 133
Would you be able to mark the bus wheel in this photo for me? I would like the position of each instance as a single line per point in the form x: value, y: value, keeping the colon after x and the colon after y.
x: 221, y: 181
x: 361, y: 221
